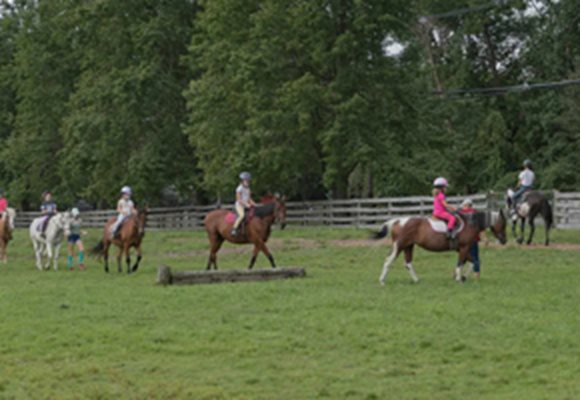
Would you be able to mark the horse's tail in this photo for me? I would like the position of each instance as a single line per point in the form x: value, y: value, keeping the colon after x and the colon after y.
x: 384, y: 230
x: 97, y: 251
x: 548, y: 215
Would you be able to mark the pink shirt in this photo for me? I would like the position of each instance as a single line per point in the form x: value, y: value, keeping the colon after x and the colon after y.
x: 438, y: 203
x: 3, y: 205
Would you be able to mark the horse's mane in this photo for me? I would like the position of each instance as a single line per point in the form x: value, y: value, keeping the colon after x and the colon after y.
x: 264, y: 210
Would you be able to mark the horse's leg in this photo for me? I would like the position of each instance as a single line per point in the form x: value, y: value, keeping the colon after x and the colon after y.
x: 532, y: 229
x: 514, y: 233
x: 463, y: 253
x: 55, y: 256
x: 409, y: 263
x: 522, y: 230
x: 3, y: 251
x: 139, y: 256
x: 119, y: 258
x: 267, y: 253
x: 215, y: 245
x: 127, y: 251
x: 37, y: 253
x: 547, y: 233
x: 254, y: 256
x: 389, y: 261
x: 106, y: 245
x: 48, y: 255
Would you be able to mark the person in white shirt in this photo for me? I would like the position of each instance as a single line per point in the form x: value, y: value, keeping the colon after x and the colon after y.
x: 243, y: 199
x: 525, y: 181
x: 125, y: 208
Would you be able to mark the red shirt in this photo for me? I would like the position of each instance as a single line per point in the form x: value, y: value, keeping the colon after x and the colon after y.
x: 470, y: 210
x: 3, y: 204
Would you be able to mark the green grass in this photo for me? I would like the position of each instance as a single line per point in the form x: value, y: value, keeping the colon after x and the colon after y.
x: 334, y: 335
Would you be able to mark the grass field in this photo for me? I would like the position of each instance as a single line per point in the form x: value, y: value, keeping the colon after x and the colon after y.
x: 334, y: 335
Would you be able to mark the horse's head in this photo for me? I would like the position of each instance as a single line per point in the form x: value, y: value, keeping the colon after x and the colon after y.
x: 142, y: 218
x: 498, y: 226
x: 62, y: 221
x: 11, y: 214
x: 281, y: 210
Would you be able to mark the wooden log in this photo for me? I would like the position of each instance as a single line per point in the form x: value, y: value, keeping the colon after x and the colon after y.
x: 166, y: 277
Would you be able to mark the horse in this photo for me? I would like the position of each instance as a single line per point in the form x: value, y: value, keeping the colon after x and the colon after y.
x: 218, y: 225
x: 6, y: 229
x: 49, y: 245
x: 410, y: 231
x: 532, y: 204
x: 130, y: 235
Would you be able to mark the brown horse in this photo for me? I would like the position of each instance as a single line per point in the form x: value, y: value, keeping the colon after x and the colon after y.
x: 218, y: 225
x: 6, y: 228
x: 408, y: 232
x: 130, y: 235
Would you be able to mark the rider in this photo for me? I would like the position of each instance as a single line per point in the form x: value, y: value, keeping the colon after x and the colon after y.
x: 243, y: 199
x: 125, y: 208
x: 47, y: 208
x: 441, y: 209
x: 525, y: 182
x: 3, y: 203
x: 75, y: 239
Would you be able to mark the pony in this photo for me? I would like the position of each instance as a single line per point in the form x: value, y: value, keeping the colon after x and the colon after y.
x: 6, y: 229
x: 218, y: 225
x: 130, y: 235
x: 49, y: 245
x: 431, y: 235
x: 532, y: 204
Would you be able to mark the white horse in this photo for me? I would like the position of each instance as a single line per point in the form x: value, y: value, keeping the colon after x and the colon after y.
x: 58, y: 227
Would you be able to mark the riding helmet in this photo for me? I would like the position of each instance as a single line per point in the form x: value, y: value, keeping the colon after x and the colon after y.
x: 126, y: 190
x: 245, y: 176
x: 440, y: 182
x: 528, y: 163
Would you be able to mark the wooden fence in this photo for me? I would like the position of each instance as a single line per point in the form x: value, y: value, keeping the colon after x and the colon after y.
x: 361, y: 213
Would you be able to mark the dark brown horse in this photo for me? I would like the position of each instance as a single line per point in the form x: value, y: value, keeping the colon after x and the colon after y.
x: 218, y: 225
x: 130, y: 235
x: 532, y: 204
x: 408, y: 232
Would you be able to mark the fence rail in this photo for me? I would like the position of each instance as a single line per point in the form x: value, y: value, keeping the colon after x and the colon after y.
x: 362, y: 213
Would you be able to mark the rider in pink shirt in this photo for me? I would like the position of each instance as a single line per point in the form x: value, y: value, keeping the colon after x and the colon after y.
x: 440, y: 207
x: 3, y: 203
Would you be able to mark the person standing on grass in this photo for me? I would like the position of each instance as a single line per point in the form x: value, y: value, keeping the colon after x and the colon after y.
x: 74, y: 239
x: 467, y: 208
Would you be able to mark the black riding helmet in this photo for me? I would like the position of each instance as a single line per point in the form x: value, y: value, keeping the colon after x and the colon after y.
x: 527, y: 163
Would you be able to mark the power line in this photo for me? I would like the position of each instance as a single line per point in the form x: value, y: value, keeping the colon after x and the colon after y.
x: 499, y: 90
x: 462, y: 11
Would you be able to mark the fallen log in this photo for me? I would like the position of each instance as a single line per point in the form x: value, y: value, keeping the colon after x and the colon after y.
x: 166, y: 277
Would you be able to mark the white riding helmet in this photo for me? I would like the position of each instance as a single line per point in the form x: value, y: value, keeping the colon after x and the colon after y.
x: 75, y: 212
x: 467, y: 202
x: 440, y: 182
x: 126, y: 190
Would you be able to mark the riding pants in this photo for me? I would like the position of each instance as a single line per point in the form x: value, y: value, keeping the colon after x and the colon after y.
x: 117, y: 224
x: 444, y: 215
x: 241, y: 214
x: 518, y: 193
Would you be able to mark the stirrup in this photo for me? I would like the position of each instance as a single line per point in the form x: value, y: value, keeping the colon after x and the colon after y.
x: 234, y: 232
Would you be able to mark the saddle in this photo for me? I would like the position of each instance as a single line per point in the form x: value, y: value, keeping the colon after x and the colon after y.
x: 249, y: 214
x: 440, y: 225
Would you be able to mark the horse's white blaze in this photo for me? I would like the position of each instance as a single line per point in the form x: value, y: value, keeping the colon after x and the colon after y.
x: 412, y: 272
x: 388, y: 263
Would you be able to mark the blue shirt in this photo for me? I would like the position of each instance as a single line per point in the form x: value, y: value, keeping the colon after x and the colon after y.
x: 48, y: 207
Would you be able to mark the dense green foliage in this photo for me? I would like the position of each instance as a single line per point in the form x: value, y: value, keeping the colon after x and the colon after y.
x: 334, y: 335
x: 307, y: 94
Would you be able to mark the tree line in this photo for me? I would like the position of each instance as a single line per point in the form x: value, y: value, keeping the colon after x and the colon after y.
x: 317, y: 98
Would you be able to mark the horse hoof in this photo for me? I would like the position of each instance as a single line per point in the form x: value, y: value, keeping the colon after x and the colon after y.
x: 463, y: 278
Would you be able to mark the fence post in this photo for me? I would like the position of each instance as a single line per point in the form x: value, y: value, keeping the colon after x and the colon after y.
x: 358, y: 213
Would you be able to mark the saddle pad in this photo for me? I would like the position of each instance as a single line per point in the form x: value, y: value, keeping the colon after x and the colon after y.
x: 524, y: 209
x: 438, y: 225
x: 230, y: 218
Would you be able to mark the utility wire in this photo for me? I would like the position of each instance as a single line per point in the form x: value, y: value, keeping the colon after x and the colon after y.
x: 499, y: 90
x: 462, y: 11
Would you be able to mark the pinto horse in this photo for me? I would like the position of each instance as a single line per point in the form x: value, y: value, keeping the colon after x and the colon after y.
x: 532, y: 204
x: 6, y: 229
x: 218, y: 225
x: 130, y: 235
x: 408, y: 232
